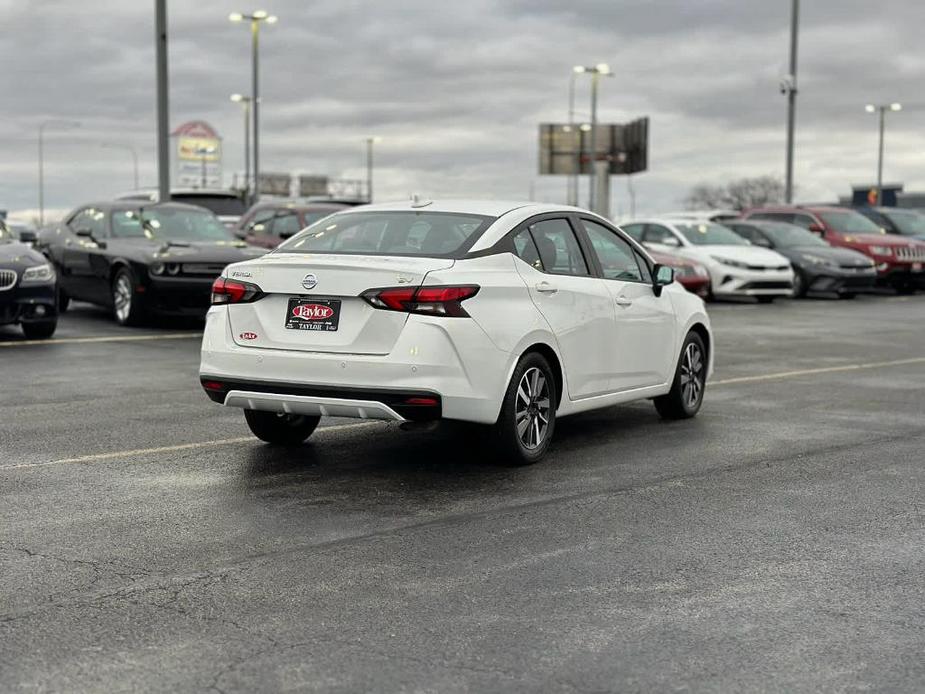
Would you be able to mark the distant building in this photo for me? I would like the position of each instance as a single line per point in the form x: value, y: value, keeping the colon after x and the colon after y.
x: 893, y: 196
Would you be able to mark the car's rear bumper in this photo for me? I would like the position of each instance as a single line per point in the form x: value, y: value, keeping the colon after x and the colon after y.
x: 449, y: 359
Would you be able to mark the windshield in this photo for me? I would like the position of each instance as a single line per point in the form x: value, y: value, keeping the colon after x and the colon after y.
x: 389, y: 233
x: 849, y: 222
x: 907, y: 222
x: 709, y: 234
x: 227, y: 205
x: 168, y: 224
x: 785, y: 235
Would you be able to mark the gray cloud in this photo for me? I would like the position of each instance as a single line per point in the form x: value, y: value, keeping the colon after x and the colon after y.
x: 456, y: 90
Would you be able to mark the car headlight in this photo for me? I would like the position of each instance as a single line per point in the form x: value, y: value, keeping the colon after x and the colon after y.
x: 38, y: 274
x: 881, y: 250
x: 816, y: 260
x: 730, y: 263
x: 156, y: 268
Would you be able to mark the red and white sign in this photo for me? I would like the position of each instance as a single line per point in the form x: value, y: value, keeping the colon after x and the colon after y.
x: 248, y: 336
x: 312, y: 312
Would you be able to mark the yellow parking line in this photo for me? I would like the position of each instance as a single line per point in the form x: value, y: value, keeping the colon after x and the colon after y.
x: 809, y: 372
x: 107, y: 338
x: 167, y: 449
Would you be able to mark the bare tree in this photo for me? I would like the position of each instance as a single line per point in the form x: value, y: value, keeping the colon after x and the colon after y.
x: 738, y: 195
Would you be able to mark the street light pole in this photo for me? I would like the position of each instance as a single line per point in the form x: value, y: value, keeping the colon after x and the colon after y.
x: 572, y: 182
x: 245, y: 102
x: 46, y: 124
x: 881, y: 110
x: 789, y: 87
x: 255, y: 19
x: 596, y: 72
x: 163, y: 105
x: 130, y: 148
x: 369, y: 166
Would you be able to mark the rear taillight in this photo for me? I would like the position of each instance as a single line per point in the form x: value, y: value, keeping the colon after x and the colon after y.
x: 225, y: 291
x: 431, y: 301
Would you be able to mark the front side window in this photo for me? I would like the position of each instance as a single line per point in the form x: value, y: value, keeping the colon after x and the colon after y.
x: 633, y: 230
x: 618, y: 262
x: 656, y: 233
x: 286, y: 224
x: 709, y: 234
x: 774, y: 216
x: 558, y: 247
x: 427, y: 234
x: 907, y: 222
x: 92, y: 219
x: 260, y: 224
x: 801, y: 220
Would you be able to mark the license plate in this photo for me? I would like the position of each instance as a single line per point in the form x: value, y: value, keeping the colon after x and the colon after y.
x: 916, y: 267
x: 305, y: 313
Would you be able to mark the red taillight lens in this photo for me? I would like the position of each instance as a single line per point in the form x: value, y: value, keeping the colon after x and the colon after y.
x: 226, y: 291
x: 432, y: 301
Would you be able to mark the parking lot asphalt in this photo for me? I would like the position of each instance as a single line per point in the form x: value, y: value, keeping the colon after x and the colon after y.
x: 774, y: 543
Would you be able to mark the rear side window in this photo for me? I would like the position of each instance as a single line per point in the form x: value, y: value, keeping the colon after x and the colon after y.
x: 526, y: 250
x: 558, y: 247
x: 428, y: 234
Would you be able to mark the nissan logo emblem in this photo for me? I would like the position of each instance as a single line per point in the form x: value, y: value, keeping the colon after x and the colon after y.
x: 309, y: 281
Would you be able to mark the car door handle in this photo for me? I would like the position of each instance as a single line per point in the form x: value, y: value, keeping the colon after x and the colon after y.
x: 546, y: 288
x: 623, y: 301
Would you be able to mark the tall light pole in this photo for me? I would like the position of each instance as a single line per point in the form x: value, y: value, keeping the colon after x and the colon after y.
x: 245, y: 102
x: 596, y: 72
x: 881, y: 109
x: 572, y: 182
x: 130, y: 148
x: 163, y: 101
x: 370, y: 141
x: 61, y: 124
x: 255, y: 19
x: 789, y: 87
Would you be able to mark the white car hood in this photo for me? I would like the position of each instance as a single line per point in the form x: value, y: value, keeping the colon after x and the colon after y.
x: 751, y: 255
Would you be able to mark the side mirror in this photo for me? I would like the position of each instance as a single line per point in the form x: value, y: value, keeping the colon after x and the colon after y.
x: 764, y: 243
x: 670, y: 241
x: 287, y: 234
x: 664, y: 275
x: 28, y: 236
x: 83, y: 232
x: 816, y: 228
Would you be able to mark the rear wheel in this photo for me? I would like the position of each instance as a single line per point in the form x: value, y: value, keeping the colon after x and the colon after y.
x: 281, y: 428
x: 799, y: 284
x: 686, y: 394
x: 905, y: 288
x: 63, y: 301
x: 847, y: 295
x: 40, y: 330
x: 528, y: 414
x: 765, y: 299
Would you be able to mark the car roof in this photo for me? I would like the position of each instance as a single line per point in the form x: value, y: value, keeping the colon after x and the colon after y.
x: 489, y: 208
x: 298, y: 205
x: 800, y: 208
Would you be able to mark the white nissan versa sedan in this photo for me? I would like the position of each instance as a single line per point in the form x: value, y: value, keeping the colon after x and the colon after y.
x: 736, y: 268
x: 504, y: 314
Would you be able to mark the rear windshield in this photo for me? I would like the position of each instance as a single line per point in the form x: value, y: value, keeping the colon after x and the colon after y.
x: 432, y: 234
x: 219, y: 204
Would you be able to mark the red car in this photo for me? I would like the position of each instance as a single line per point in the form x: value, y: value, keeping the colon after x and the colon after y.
x: 900, y: 261
x: 694, y: 277
x: 268, y: 224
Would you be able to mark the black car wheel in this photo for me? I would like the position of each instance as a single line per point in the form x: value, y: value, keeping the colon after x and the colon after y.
x: 765, y: 299
x: 125, y: 306
x: 528, y: 414
x: 799, y: 284
x: 280, y: 428
x: 39, y: 330
x: 63, y: 301
x: 686, y: 394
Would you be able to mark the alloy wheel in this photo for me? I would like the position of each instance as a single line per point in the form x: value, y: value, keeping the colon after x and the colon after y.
x: 692, y: 367
x: 531, y: 410
x: 122, y: 298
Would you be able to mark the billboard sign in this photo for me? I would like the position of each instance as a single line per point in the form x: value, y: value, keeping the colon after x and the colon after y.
x: 565, y: 149
x: 313, y: 185
x: 197, y: 156
x: 275, y: 184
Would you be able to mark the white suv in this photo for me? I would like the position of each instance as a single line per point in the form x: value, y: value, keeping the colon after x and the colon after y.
x: 504, y: 314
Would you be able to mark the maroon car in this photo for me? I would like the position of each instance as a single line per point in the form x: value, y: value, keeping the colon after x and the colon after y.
x: 900, y: 261
x: 694, y: 277
x: 268, y: 224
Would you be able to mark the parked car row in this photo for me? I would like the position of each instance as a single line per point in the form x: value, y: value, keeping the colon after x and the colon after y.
x: 790, y: 251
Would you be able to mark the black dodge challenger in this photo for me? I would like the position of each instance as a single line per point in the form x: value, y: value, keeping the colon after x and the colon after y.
x: 141, y: 259
x: 27, y: 288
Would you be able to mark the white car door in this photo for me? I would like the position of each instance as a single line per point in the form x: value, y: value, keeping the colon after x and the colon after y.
x: 577, y: 305
x: 644, y: 348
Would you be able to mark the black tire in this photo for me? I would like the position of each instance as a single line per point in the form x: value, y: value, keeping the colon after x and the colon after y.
x: 529, y: 405
x: 63, y: 301
x: 39, y: 330
x: 279, y: 428
x: 847, y: 295
x: 126, y: 307
x: 765, y: 299
x: 906, y: 288
x: 799, y: 284
x: 678, y: 403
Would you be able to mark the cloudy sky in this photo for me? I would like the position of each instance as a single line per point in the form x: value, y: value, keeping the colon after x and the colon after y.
x: 456, y: 90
